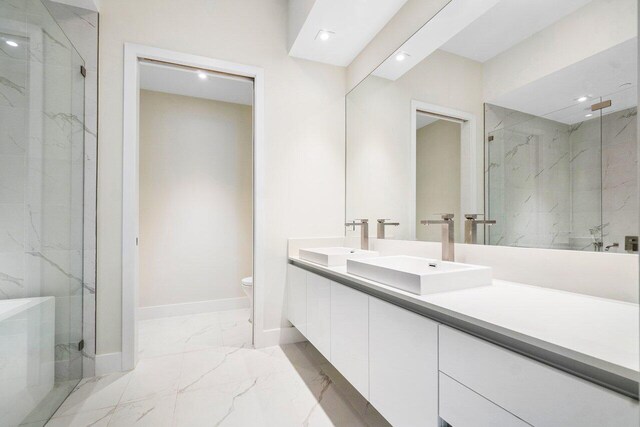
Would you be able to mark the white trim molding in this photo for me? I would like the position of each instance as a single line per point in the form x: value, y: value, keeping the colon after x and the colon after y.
x: 130, y: 179
x: 468, y: 151
x: 195, y: 307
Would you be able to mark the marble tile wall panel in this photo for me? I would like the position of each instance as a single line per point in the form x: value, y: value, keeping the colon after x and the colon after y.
x: 554, y: 185
x: 528, y: 180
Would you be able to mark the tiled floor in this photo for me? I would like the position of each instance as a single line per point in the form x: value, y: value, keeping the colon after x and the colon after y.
x: 199, y: 370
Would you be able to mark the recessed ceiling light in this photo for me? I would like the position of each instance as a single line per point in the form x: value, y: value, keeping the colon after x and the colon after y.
x: 202, y: 75
x: 582, y: 98
x: 12, y: 43
x: 324, y: 35
x: 401, y: 56
x: 588, y: 115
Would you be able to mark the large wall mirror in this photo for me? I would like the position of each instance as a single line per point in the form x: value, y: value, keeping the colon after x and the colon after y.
x: 518, y: 117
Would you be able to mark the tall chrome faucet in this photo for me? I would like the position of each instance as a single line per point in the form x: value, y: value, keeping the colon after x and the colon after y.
x: 447, y: 235
x: 364, y: 231
x: 471, y: 227
x: 382, y: 223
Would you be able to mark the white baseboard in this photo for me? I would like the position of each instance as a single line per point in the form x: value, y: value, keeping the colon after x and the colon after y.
x: 278, y: 336
x: 108, y: 363
x: 183, y: 309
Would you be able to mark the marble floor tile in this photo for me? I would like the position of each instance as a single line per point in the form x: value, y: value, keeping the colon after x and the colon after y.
x: 96, y: 393
x: 201, y: 370
x: 154, y: 412
x: 153, y: 377
x: 96, y: 418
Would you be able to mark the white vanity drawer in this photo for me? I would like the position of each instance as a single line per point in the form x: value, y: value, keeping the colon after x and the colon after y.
x: 319, y: 313
x: 534, y: 392
x: 461, y: 407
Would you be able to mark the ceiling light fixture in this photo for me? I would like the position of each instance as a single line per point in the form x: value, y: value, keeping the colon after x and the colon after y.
x: 202, y: 75
x: 324, y: 35
x: 582, y: 98
x: 401, y: 56
x: 12, y: 43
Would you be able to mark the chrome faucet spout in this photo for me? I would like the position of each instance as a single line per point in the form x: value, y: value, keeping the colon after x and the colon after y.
x: 382, y: 223
x: 364, y: 231
x: 448, y: 240
x: 471, y: 227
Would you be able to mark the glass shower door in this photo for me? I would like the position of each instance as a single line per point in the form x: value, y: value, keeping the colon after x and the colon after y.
x: 542, y: 177
x: 41, y: 213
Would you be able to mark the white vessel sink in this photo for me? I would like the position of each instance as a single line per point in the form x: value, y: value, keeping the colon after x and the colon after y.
x: 420, y: 275
x: 334, y: 257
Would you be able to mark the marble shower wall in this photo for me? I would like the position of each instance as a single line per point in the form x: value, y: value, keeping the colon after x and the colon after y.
x: 617, y: 157
x: 551, y: 185
x: 81, y: 27
x: 42, y: 175
x: 528, y: 179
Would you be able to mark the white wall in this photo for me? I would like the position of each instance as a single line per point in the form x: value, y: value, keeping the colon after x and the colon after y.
x: 438, y: 177
x: 379, y: 134
x: 195, y: 199
x: 597, y: 26
x: 304, y: 128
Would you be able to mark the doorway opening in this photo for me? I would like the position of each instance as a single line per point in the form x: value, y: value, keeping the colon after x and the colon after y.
x: 192, y: 128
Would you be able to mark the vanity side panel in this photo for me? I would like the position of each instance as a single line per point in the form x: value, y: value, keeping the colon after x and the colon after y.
x: 403, y: 365
x: 534, y: 392
x: 297, y: 297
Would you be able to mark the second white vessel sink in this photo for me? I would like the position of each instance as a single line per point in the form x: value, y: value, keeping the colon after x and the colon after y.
x: 334, y: 256
x: 420, y: 275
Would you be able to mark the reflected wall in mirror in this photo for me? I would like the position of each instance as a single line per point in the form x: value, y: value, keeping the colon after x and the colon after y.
x: 513, y: 111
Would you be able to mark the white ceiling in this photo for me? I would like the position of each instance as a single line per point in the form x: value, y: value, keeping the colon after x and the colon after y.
x: 185, y: 81
x: 353, y: 22
x: 506, y: 24
x: 451, y: 20
x: 555, y: 95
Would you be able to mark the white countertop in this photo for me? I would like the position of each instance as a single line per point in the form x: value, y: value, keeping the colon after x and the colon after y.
x: 600, y: 332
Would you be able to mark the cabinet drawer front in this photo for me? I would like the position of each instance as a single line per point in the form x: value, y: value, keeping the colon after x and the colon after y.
x: 319, y: 313
x: 534, y: 392
x: 461, y: 407
x: 297, y: 297
x: 403, y: 365
x: 350, y: 335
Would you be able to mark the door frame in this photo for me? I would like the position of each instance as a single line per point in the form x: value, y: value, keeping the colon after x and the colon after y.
x: 130, y: 184
x: 468, y: 152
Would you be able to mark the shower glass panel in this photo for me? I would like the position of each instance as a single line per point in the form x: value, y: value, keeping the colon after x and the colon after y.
x: 41, y: 214
x: 543, y: 177
x: 620, y: 168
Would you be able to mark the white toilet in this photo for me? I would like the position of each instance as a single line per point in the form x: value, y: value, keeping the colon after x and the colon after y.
x: 247, y: 287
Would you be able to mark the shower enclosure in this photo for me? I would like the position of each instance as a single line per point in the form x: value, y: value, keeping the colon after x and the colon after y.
x: 41, y: 213
x: 564, y: 180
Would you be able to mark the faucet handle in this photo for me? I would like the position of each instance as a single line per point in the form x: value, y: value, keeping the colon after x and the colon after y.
x: 445, y: 216
x: 472, y: 216
x: 382, y: 220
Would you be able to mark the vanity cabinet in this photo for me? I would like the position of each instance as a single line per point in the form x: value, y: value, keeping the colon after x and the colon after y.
x: 297, y: 297
x: 534, y: 392
x: 461, y: 407
x: 319, y: 313
x: 403, y: 365
x: 350, y: 335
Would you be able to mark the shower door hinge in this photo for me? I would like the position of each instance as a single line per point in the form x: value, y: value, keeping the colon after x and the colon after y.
x: 601, y: 105
x: 81, y: 345
x: 490, y: 138
x: 136, y: 241
x: 83, y: 71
